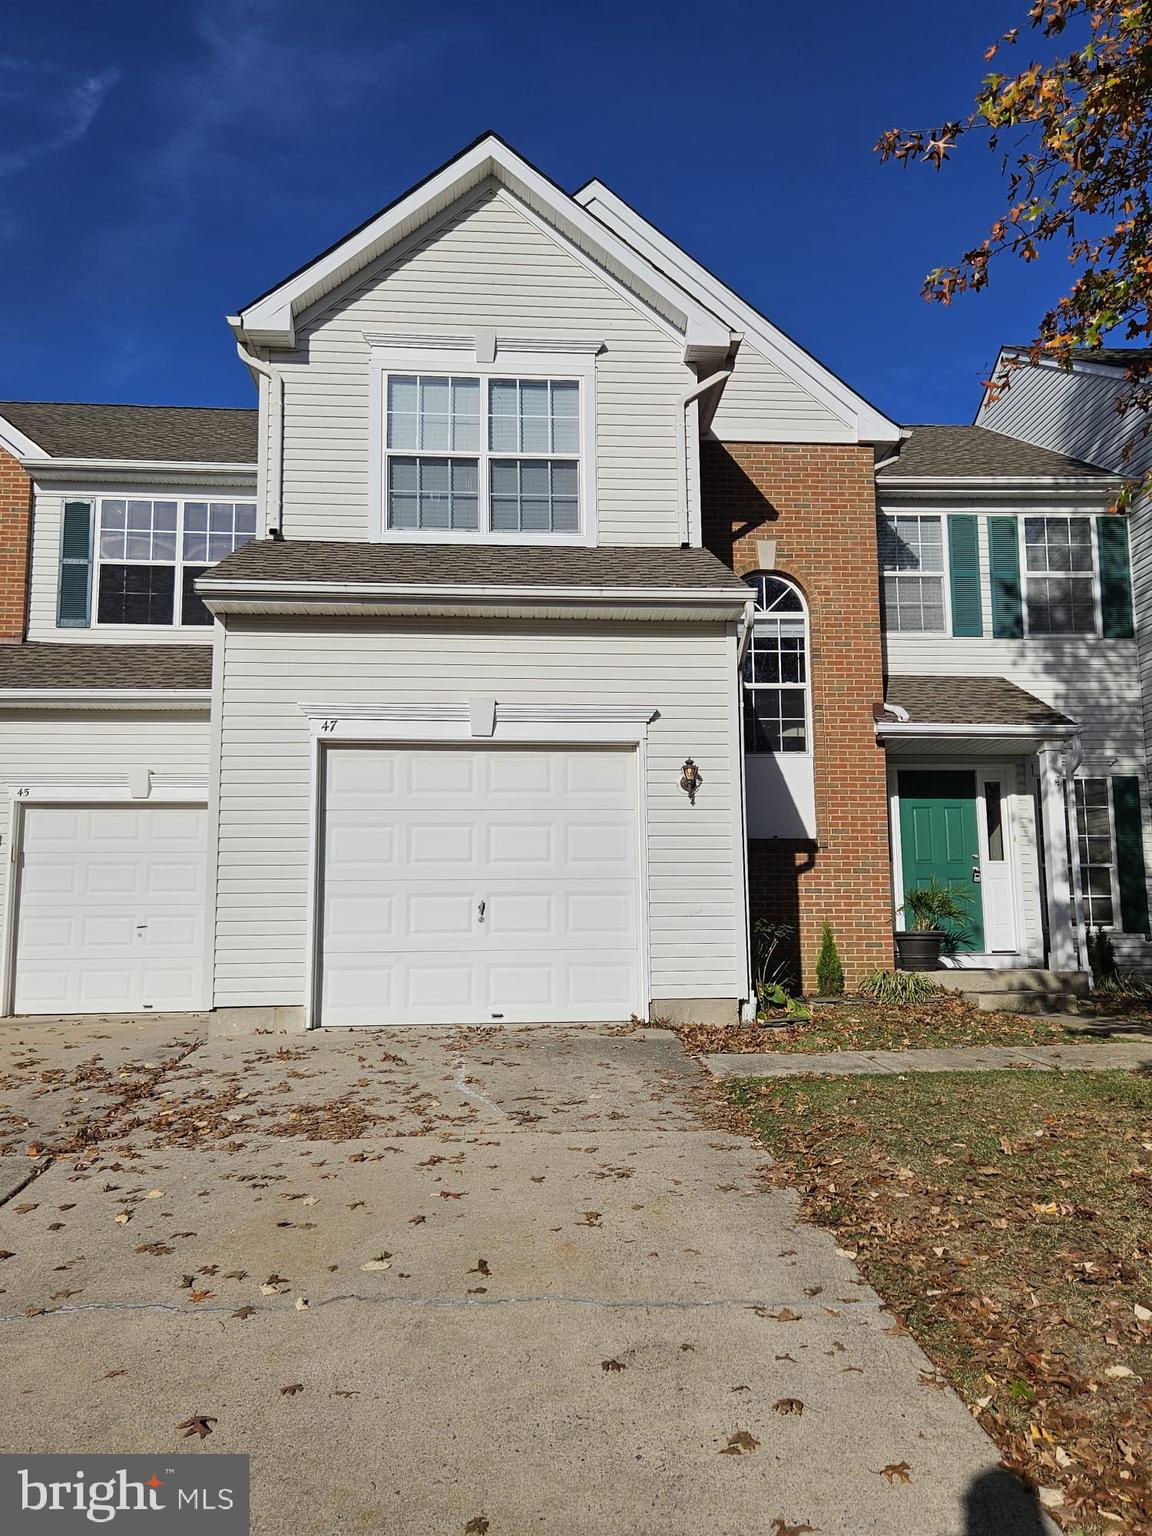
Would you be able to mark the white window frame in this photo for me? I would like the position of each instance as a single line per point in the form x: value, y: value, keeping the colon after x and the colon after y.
x: 564, y: 360
x: 1116, y: 925
x: 805, y: 687
x: 945, y: 574
x: 1026, y: 575
x: 181, y: 498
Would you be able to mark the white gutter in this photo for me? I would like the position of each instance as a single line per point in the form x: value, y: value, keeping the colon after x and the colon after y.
x: 274, y: 479
x: 983, y: 484
x: 700, y: 388
x: 923, y: 728
x: 158, y: 467
x: 105, y: 698
x: 223, y: 589
x: 746, y: 632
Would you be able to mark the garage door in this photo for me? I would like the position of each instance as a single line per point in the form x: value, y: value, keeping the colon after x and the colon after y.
x: 110, y: 914
x: 472, y: 886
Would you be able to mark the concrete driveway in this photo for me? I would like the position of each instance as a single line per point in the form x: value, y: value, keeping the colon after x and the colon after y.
x: 432, y: 1278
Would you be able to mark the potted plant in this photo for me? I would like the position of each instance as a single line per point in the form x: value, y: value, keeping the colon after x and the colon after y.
x: 934, y: 912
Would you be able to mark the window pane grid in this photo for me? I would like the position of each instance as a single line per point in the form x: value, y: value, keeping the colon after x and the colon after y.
x: 776, y: 669
x: 912, y: 559
x: 521, y: 463
x: 1060, y: 595
x: 143, y: 544
x: 1097, y: 859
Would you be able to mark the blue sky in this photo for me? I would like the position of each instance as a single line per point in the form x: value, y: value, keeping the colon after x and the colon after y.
x: 160, y: 164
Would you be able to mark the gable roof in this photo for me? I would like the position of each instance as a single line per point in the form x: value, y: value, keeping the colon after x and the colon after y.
x: 869, y: 424
x: 1105, y: 357
x: 269, y: 319
x: 191, y: 434
x: 976, y: 453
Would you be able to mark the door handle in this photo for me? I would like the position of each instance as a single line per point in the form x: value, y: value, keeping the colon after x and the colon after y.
x: 480, y: 910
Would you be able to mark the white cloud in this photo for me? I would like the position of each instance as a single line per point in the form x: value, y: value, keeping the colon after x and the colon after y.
x: 51, y: 109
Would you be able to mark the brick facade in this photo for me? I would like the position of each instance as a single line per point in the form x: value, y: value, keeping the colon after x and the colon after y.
x: 818, y: 501
x: 15, y: 539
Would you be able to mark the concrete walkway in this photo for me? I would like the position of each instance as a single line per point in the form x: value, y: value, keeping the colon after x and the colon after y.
x: 1122, y: 1056
x: 431, y: 1279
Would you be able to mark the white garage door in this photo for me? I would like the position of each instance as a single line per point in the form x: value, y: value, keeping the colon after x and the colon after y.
x: 467, y: 886
x: 110, y: 914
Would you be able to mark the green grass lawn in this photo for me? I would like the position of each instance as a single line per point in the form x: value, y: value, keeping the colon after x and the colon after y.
x: 1006, y: 1218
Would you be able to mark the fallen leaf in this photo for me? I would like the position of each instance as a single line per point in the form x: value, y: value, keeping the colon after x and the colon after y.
x: 784, y: 1405
x: 782, y: 1528
x: 481, y: 1268
x: 245, y: 1312
x: 897, y: 1472
x: 297, y: 1386
x: 301, y: 1303
x: 612, y: 1365
x: 154, y: 1194
x: 451, y: 1194
x: 591, y: 1219
x: 477, y: 1526
x: 1143, y: 1314
x: 1118, y: 1372
x: 740, y: 1444
x: 108, y: 1375
x: 376, y: 1264
x: 199, y: 1424
x: 122, y: 1217
x: 202, y: 1295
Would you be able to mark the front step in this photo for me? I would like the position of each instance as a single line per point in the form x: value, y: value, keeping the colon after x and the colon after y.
x: 1017, y: 991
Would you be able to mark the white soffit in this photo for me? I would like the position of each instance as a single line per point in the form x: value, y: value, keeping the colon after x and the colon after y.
x: 762, y: 336
x: 270, y: 319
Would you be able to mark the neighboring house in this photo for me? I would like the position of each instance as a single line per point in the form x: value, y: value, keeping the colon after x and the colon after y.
x: 519, y: 652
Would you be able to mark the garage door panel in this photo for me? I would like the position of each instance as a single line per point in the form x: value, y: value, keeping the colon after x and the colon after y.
x: 110, y: 910
x: 513, y: 892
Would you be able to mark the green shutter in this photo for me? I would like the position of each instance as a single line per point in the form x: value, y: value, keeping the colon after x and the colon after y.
x: 1130, y: 854
x: 1004, y: 559
x: 964, y: 565
x: 1115, y: 577
x: 75, y: 566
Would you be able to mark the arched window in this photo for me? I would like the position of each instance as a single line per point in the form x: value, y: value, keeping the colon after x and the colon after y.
x: 776, y: 669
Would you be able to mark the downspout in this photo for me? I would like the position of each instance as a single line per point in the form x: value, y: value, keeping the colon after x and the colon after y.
x: 273, y: 496
x: 1073, y: 757
x: 700, y: 388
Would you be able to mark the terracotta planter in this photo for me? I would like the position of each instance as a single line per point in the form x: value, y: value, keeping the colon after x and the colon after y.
x: 919, y: 951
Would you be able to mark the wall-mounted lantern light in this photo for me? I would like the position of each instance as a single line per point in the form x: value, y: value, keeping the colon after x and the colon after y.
x: 690, y: 780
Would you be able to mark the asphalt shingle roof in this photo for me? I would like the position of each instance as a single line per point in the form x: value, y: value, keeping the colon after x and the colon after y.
x: 446, y: 565
x: 977, y: 453
x: 198, y: 434
x: 48, y: 664
x: 932, y: 700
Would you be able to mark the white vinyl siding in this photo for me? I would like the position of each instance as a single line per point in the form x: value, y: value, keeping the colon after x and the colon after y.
x: 762, y: 404
x: 1075, y: 413
x: 489, y: 264
x: 44, y: 578
x: 684, y: 671
x: 83, y: 750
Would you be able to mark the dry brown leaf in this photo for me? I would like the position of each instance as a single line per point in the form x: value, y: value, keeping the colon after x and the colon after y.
x: 612, y: 1365
x: 897, y: 1472
x: 291, y: 1391
x: 784, y: 1405
x: 740, y: 1444
x: 199, y: 1424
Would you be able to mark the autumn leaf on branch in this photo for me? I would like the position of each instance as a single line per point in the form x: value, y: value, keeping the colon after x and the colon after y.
x: 1075, y: 136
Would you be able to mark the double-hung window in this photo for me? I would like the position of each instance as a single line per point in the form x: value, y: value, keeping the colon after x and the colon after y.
x: 912, y: 560
x: 149, y: 553
x: 482, y: 455
x: 1059, y: 576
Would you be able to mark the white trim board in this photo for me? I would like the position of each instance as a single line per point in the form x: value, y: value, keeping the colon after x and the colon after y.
x: 270, y: 319
x: 852, y: 409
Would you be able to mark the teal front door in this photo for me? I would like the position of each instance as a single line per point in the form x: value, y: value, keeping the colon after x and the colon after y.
x: 939, y: 839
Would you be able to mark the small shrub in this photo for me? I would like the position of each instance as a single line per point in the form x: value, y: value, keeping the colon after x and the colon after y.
x: 829, y: 970
x: 1101, y: 956
x: 1124, y: 984
x: 899, y: 986
x: 772, y: 995
x: 773, y: 956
